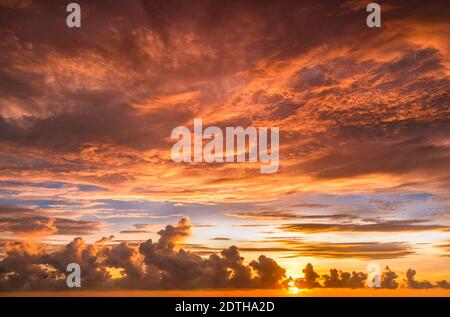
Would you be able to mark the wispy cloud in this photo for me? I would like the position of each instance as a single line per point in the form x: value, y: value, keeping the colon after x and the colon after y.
x: 382, y: 226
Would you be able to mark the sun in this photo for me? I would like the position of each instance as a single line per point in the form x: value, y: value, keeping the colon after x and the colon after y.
x: 293, y: 289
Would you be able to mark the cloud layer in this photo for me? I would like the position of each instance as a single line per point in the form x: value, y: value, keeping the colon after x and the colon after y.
x: 86, y: 116
x: 160, y: 265
x: 151, y: 265
x: 27, y: 222
x: 350, y: 102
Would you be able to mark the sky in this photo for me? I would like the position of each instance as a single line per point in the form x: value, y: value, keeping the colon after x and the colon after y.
x: 86, y: 116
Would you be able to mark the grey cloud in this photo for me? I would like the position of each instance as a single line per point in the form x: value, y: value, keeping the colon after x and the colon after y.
x: 382, y: 226
x: 23, y: 221
x: 149, y: 265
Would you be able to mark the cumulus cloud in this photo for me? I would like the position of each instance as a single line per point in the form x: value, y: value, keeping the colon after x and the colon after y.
x: 370, y: 115
x: 443, y: 284
x: 149, y: 265
x: 338, y: 279
x: 160, y: 265
x: 413, y: 283
x: 106, y: 240
x: 310, y: 279
x: 171, y: 235
x: 388, y: 279
x: 342, y: 279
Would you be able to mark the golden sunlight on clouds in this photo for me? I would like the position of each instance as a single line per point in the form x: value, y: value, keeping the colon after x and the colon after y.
x: 86, y: 117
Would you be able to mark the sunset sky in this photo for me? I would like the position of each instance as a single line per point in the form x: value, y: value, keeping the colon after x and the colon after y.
x: 86, y: 116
